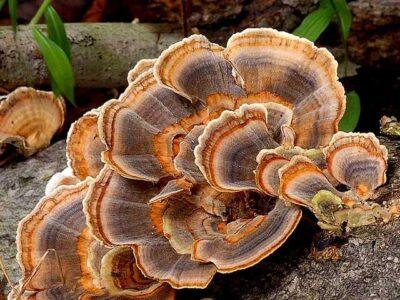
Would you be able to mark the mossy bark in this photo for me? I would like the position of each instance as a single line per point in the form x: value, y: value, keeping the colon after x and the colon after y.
x: 102, y: 54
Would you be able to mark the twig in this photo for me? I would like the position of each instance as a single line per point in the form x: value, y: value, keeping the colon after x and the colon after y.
x: 185, y: 16
x: 3, y: 269
x: 36, y: 269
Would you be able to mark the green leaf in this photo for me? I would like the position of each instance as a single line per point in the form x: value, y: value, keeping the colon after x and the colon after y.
x: 56, y: 30
x: 57, y: 63
x: 352, y: 114
x: 12, y: 7
x: 344, y: 15
x: 36, y: 18
x: 326, y: 4
x: 315, y: 23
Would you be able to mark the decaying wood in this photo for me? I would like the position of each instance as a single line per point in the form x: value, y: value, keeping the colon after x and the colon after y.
x: 103, y: 53
x: 364, y: 264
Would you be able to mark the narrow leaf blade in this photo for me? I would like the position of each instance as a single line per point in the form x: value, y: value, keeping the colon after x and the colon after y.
x: 12, y: 7
x: 56, y: 30
x: 315, y: 23
x: 352, y: 114
x: 57, y: 63
x: 344, y: 15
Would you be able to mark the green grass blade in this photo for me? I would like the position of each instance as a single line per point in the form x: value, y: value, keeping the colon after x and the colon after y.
x: 56, y: 30
x: 315, y: 23
x: 326, y: 4
x: 2, y: 2
x: 36, y: 18
x: 12, y: 7
x: 57, y: 63
x: 344, y: 15
x: 352, y: 114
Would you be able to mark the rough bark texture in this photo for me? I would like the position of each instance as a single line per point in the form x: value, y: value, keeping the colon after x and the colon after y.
x: 375, y: 36
x: 363, y: 265
x: 104, y: 53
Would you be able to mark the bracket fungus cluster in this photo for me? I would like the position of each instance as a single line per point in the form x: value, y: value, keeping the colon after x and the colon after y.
x: 28, y: 120
x: 201, y: 166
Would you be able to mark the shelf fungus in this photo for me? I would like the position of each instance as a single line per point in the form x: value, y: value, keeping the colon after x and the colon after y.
x: 29, y: 119
x: 84, y: 146
x: 203, y: 166
x: 61, y: 259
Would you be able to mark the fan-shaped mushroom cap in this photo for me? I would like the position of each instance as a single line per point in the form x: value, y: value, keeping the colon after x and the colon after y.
x: 156, y: 118
x: 266, y: 175
x: 209, y: 238
x: 118, y: 214
x: 278, y: 116
x: 173, y: 188
x: 358, y: 161
x: 248, y: 241
x: 29, y: 118
x: 315, y: 155
x: 296, y: 71
x: 141, y: 66
x: 227, y: 150
x: 84, y: 146
x: 197, y: 70
x: 301, y: 179
x: 271, y: 160
x: 183, y: 223
x: 121, y: 277
x: 57, y: 222
x: 65, y: 177
x: 212, y: 201
x: 185, y: 160
x: 95, y: 254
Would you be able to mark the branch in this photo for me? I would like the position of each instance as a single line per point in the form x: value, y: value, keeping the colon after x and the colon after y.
x: 102, y: 54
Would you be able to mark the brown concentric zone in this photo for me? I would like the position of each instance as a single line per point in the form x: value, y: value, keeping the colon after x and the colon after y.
x: 30, y: 224
x: 213, y: 146
x: 174, y: 284
x: 83, y: 244
x: 108, y: 136
x: 157, y: 210
x: 370, y: 149
x: 164, y: 142
x: 300, y: 169
x: 261, y: 168
x: 94, y: 197
x: 254, y: 260
x: 77, y: 159
x: 263, y: 97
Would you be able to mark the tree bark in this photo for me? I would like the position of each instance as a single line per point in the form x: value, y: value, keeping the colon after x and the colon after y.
x: 310, y: 265
x: 102, y: 54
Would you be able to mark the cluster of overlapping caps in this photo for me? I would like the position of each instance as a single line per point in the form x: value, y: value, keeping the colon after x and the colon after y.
x: 201, y: 166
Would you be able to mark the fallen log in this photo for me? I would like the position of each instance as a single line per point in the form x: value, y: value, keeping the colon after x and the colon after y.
x: 102, y: 54
x: 365, y: 264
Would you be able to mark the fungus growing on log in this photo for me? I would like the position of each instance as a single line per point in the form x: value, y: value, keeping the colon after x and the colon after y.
x: 209, y: 156
x: 358, y: 161
x: 77, y: 265
x: 29, y: 119
x: 84, y: 146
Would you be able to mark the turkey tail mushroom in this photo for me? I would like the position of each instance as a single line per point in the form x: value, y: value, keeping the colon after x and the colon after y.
x: 84, y: 146
x: 29, y: 119
x: 294, y: 72
x: 358, y: 161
